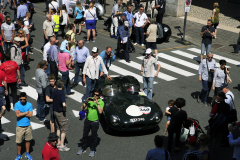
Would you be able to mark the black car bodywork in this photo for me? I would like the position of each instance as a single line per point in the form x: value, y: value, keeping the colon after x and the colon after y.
x: 125, y: 109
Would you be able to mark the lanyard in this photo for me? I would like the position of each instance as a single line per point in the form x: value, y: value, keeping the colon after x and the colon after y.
x: 95, y: 65
x: 139, y: 16
x: 145, y: 64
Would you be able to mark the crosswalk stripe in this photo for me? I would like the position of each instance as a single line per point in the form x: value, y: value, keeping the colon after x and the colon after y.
x: 124, y: 72
x: 187, y: 55
x: 4, y: 120
x: 30, y: 91
x: 6, y: 135
x: 172, y: 68
x: 76, y: 113
x: 138, y: 67
x: 72, y: 75
x: 216, y: 56
x: 179, y: 61
x: 36, y: 125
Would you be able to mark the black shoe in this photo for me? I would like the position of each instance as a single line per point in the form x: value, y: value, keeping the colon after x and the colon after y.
x: 18, y: 87
x: 128, y: 60
x: 133, y: 51
x: 73, y: 85
x: 71, y: 93
x: 24, y: 84
x: 234, y: 52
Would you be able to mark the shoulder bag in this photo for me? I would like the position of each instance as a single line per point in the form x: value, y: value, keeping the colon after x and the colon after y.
x: 92, y: 15
x: 232, y: 117
x: 210, y: 74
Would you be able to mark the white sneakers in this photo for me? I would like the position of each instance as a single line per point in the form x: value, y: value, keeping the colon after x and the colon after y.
x: 135, y: 44
x: 143, y: 45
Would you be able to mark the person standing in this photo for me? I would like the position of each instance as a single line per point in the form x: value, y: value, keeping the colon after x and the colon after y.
x: 23, y: 110
x: 229, y: 95
x: 192, y: 150
x: 21, y: 10
x: 64, y: 14
x: 215, y: 17
x: 139, y: 24
x: 238, y: 45
x: 11, y: 70
x: 124, y: 37
x: 59, y: 110
x: 207, y: 33
x: 52, y: 53
x: 129, y: 16
x: 115, y: 15
x: 108, y: 57
x: 56, y: 18
x: 148, y: 72
x: 91, y: 72
x: 50, y: 150
x: 78, y: 17
x: 45, y: 54
x: 47, y: 29
x: 152, y: 36
x: 80, y: 55
x: 206, y: 73
x: 31, y: 9
x: 160, y: 6
x: 3, y: 90
x: 72, y: 43
x: 95, y: 108
x: 8, y: 33
x: 41, y: 84
x: 53, y: 5
x: 234, y: 142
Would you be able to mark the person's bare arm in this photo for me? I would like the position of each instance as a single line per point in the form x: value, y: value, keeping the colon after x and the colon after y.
x: 19, y: 77
x: 48, y: 99
x: 3, y: 111
x: 14, y: 4
x: 83, y: 106
x: 13, y: 35
x: 29, y: 114
x: 159, y: 66
x: 64, y: 104
x: 19, y: 114
x: 5, y: 85
x: 167, y: 112
x: 44, y: 32
x: 3, y: 36
x: 69, y: 61
x: 213, y: 13
x: 100, y: 109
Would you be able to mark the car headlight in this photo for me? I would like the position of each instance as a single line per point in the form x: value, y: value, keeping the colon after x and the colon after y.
x: 165, y: 29
x: 156, y: 117
x: 114, y: 120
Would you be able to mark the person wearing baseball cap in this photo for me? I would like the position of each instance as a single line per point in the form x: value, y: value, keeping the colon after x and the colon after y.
x: 192, y: 143
x: 229, y: 95
x: 148, y: 72
x: 236, y: 142
x: 91, y: 72
x: 50, y: 150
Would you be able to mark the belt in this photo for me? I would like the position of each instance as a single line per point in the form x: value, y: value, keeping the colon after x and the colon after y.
x: 81, y: 63
x: 93, y: 121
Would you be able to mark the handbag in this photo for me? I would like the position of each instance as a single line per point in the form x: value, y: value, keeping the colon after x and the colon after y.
x: 229, y: 80
x: 210, y: 74
x: 61, y: 19
x: 232, y: 117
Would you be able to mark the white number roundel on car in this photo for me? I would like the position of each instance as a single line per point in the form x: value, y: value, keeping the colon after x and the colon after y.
x: 133, y: 110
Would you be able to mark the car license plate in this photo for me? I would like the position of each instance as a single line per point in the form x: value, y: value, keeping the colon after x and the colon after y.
x: 137, y: 119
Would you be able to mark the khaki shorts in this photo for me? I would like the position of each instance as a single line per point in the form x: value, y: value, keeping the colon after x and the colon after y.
x: 61, y: 122
x: 23, y: 131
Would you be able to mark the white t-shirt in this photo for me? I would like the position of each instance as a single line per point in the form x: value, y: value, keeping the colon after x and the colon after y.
x: 26, y: 30
x: 67, y: 3
x: 229, y: 99
x: 90, y: 16
x: 26, y: 22
x: 45, y: 49
x: 64, y: 14
x: 140, y: 19
x: 53, y: 5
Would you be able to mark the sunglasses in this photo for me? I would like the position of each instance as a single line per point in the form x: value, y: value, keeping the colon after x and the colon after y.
x: 22, y: 99
x: 210, y: 57
x: 96, y: 94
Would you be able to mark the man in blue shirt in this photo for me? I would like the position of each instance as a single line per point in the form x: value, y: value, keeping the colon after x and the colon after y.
x: 29, y: 4
x: 80, y: 55
x: 24, y: 111
x: 21, y: 10
x: 52, y: 53
x: 108, y: 57
x: 124, y: 34
x: 159, y: 153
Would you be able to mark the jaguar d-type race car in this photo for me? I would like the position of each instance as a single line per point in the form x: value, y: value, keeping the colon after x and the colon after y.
x: 126, y: 107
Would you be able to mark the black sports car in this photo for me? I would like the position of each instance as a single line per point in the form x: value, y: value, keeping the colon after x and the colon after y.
x: 126, y: 108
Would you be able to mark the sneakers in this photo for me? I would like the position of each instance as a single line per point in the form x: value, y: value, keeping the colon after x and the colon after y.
x: 135, y: 44
x: 28, y: 156
x: 112, y: 36
x: 92, y: 153
x: 87, y: 41
x: 44, y: 120
x: 142, y: 45
x: 30, y: 52
x: 93, y: 41
x: 64, y: 148
x: 116, y: 37
x: 18, y: 157
x: 81, y: 151
x: 206, y: 104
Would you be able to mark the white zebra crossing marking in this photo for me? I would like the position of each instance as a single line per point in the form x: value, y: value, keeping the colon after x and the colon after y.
x: 4, y: 120
x: 6, y: 135
x: 173, y: 69
x: 138, y: 67
x: 76, y: 113
x: 36, y: 125
x: 30, y: 91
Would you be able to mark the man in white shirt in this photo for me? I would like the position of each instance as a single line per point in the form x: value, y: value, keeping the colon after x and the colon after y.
x: 45, y: 49
x: 236, y: 142
x: 115, y: 14
x: 139, y: 24
x: 229, y: 95
x: 53, y: 5
x: 91, y: 72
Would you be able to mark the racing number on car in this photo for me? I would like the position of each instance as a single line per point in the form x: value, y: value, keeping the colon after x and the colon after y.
x: 145, y: 110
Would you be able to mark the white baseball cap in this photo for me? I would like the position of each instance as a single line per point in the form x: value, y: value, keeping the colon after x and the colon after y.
x: 148, y: 51
x: 17, y: 39
x: 95, y: 49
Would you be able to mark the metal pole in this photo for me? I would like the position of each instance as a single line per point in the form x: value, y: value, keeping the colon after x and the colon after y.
x: 184, y: 27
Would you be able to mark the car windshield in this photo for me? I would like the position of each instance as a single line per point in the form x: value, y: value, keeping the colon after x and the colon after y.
x: 130, y: 88
x: 110, y: 90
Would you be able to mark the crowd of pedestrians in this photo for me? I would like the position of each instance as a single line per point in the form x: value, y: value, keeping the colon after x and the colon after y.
x: 60, y: 57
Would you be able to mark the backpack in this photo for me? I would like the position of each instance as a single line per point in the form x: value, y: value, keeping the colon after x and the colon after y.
x: 30, y: 8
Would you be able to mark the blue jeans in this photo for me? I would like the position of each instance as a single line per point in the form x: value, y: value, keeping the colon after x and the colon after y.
x: 206, y: 88
x: 205, y: 47
x: 139, y: 32
x: 91, y: 83
x: 7, y: 45
x: 1, y: 97
x: 78, y: 66
x: 65, y: 77
x: 15, y: 14
x: 40, y: 107
x: 148, y: 86
x: 48, y: 70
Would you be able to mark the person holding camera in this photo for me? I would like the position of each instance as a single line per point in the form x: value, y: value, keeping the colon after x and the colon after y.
x: 108, y: 57
x: 94, y: 106
x: 59, y: 111
x: 236, y: 142
x: 207, y: 33
x: 206, y: 72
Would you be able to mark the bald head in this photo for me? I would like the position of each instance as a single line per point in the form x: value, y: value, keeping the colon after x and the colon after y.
x: 81, y: 43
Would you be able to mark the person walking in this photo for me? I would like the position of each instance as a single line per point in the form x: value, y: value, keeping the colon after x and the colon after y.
x: 215, y: 17
x: 80, y: 55
x: 72, y: 43
x: 206, y: 73
x: 229, y: 95
x: 31, y: 9
x: 21, y: 10
x: 139, y: 24
x: 91, y: 72
x: 8, y: 33
x: 234, y: 142
x: 115, y: 16
x: 53, y: 5
x: 52, y: 53
x: 41, y: 84
x: 23, y: 110
x: 124, y: 36
x: 95, y: 109
x: 160, y: 6
x: 56, y: 19
x: 108, y: 57
x: 148, y: 72
x: 129, y: 17
x: 207, y: 33
x: 65, y: 17
x: 78, y: 17
x: 47, y: 29
x: 238, y: 45
x: 50, y: 150
x: 3, y: 91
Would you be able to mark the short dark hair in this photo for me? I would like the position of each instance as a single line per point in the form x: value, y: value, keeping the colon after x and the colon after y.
x: 209, y: 20
x: 71, y: 26
x: 141, y: 6
x: 7, y: 57
x: 60, y: 83
x: 158, y: 141
x: 171, y: 102
x: 42, y: 63
x: 8, y: 17
x: 21, y: 22
x: 108, y: 47
x: 180, y: 102
x: 22, y: 94
x: 98, y: 90
x: 222, y: 62
x: 128, y: 6
x: 51, y: 76
x: 67, y: 36
x: 54, y: 10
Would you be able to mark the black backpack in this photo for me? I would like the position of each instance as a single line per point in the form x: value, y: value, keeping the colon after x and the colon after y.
x: 30, y: 8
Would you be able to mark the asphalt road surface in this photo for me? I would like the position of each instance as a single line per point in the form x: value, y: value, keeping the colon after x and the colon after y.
x: 178, y: 78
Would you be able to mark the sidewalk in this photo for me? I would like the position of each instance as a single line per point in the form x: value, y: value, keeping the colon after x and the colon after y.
x: 226, y: 35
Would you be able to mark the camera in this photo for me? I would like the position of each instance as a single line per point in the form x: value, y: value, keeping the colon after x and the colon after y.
x: 90, y: 99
